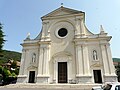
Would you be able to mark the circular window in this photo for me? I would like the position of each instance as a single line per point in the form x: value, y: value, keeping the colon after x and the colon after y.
x: 62, y: 32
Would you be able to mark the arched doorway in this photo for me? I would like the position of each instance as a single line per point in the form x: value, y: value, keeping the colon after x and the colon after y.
x: 62, y: 68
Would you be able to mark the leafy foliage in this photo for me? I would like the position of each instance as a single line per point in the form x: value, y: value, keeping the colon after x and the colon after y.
x: 6, y: 73
x: 14, y: 64
x: 13, y: 75
x: 0, y: 69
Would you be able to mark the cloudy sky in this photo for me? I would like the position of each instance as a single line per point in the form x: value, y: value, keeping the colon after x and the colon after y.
x: 20, y: 17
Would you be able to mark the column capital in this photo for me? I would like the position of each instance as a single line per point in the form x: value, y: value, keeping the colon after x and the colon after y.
x: 79, y: 18
x: 45, y: 22
x: 81, y: 44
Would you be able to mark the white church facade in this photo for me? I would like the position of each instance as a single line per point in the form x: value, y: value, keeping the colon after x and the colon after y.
x: 65, y: 51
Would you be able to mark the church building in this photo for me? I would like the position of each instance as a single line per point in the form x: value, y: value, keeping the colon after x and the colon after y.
x: 65, y: 51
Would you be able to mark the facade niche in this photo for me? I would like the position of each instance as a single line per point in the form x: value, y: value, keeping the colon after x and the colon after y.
x: 33, y: 58
x: 95, y: 56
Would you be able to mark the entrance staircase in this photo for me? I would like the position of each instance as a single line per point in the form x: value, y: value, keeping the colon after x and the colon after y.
x: 53, y: 86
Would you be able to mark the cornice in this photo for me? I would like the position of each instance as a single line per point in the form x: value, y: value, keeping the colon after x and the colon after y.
x: 93, y: 39
x: 57, y: 12
x: 45, y: 42
x: 62, y: 16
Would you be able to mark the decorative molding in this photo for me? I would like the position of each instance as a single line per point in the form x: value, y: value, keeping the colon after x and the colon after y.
x: 32, y: 67
x: 97, y: 64
x: 24, y: 76
x: 45, y: 23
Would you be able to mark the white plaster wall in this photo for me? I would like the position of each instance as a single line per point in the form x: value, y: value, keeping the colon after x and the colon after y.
x: 94, y: 46
x: 28, y: 58
x: 65, y: 45
x: 96, y: 64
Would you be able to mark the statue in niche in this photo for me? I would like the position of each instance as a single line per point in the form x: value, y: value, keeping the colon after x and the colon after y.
x: 95, y: 55
x: 33, y: 57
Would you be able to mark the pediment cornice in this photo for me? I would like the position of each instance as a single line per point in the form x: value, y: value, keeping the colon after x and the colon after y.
x: 32, y: 67
x: 62, y: 11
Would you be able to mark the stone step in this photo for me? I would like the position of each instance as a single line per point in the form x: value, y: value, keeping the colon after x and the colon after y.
x: 53, y: 86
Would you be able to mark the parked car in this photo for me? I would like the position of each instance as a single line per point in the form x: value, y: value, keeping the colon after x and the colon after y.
x: 108, y: 86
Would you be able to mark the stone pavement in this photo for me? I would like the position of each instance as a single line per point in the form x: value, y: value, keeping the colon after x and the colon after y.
x: 51, y: 86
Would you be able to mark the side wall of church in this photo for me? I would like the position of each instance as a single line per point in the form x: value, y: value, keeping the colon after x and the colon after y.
x: 101, y: 59
x: 95, y: 57
x: 29, y: 62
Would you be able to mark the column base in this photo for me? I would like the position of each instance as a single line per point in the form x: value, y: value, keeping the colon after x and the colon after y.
x: 22, y: 79
x: 83, y: 79
x: 72, y: 81
x: 43, y: 79
x: 110, y: 78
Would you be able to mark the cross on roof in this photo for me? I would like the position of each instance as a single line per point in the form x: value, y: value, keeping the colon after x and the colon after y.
x: 61, y: 4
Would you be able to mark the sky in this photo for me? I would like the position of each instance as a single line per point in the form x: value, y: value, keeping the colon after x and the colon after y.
x: 20, y: 17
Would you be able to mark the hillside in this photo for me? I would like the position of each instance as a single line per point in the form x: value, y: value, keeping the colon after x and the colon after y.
x: 116, y: 59
x: 6, y: 55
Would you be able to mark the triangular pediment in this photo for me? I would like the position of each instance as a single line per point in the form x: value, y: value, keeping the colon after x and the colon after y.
x: 97, y: 64
x: 32, y: 67
x: 62, y: 11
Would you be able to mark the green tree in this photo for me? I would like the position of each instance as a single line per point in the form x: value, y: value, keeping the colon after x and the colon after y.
x: 1, y: 70
x: 6, y: 74
x: 2, y: 41
x: 13, y: 75
x: 14, y: 64
x: 16, y: 71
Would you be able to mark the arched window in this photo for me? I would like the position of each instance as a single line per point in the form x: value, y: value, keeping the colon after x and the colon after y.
x: 33, y: 58
x: 95, y: 57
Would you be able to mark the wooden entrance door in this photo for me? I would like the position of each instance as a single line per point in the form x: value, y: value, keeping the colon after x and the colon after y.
x: 31, y: 76
x: 62, y: 72
x: 97, y: 76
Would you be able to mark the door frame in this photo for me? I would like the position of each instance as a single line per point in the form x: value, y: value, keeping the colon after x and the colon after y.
x: 94, y: 75
x: 29, y: 77
x: 66, y: 66
x: 62, y: 57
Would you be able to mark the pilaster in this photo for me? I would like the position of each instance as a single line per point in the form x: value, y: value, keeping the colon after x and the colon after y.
x: 46, y: 61
x: 79, y: 60
x: 22, y: 77
x: 110, y: 61
x: 86, y: 60
x: 82, y: 29
x: 45, y: 32
x: 55, y: 72
x: 83, y: 74
x: 43, y: 67
x: 21, y: 72
x: 41, y: 59
x: 105, y: 60
x: 26, y: 64
x: 111, y: 76
x: 77, y: 32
